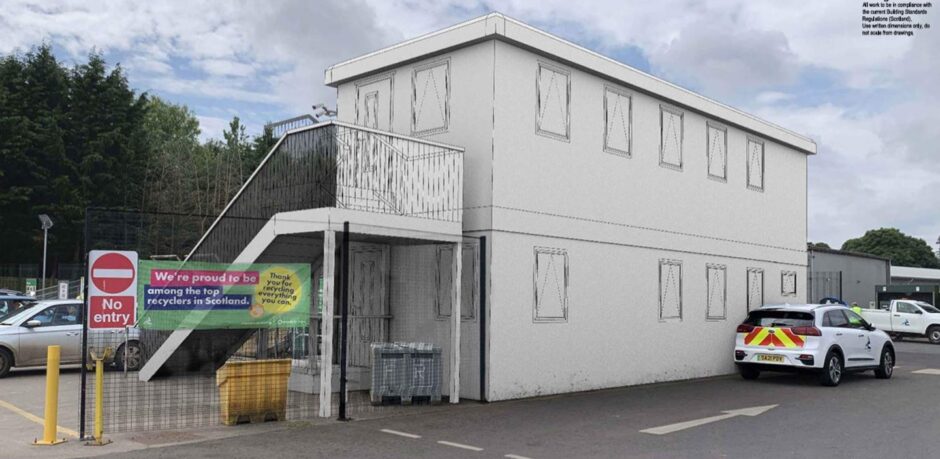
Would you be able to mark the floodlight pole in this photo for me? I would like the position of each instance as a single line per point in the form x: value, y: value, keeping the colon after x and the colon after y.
x: 45, y: 239
x: 46, y: 224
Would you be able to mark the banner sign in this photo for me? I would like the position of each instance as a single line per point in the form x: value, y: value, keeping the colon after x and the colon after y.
x: 172, y: 295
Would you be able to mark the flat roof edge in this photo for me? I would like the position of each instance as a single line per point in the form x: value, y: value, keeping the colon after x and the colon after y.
x: 498, y: 26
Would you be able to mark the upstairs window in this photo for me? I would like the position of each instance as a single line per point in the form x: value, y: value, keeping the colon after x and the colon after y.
x: 755, y: 164
x: 670, y: 138
x: 430, y: 98
x: 553, y: 93
x: 617, y: 121
x: 717, y: 151
x: 670, y: 289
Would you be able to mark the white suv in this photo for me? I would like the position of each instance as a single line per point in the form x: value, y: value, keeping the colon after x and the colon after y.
x: 826, y: 339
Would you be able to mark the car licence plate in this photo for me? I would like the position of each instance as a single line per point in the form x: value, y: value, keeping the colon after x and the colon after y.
x: 770, y: 358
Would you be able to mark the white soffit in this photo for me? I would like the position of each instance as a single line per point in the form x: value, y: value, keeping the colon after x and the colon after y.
x: 498, y: 26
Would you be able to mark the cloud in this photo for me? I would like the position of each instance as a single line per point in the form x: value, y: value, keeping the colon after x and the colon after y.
x: 727, y: 60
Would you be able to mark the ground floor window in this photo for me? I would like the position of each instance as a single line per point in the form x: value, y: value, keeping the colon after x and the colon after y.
x: 716, y: 303
x: 788, y: 283
x: 551, y: 285
x: 670, y: 289
x: 755, y: 288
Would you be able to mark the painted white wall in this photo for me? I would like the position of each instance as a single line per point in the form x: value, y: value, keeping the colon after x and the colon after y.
x: 613, y: 335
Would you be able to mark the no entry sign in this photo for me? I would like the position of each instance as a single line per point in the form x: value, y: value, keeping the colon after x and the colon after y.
x: 112, y: 292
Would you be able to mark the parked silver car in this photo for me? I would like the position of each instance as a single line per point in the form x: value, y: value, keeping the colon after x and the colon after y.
x: 26, y: 334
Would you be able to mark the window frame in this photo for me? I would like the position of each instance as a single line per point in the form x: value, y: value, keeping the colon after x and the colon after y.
x: 621, y: 93
x: 670, y: 262
x: 663, y: 109
x: 536, y: 317
x: 709, y: 125
x: 747, y: 281
x: 763, y: 162
x: 708, y: 297
x: 474, y: 285
x: 414, y: 96
x: 783, y: 274
x: 360, y: 84
x: 538, y: 102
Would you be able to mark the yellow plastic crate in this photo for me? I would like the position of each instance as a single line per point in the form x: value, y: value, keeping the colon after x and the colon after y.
x: 253, y: 390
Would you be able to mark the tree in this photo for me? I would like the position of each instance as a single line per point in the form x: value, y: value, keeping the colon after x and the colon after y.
x: 901, y: 249
x: 817, y: 245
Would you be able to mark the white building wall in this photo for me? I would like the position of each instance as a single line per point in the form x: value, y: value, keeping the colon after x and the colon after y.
x: 614, y: 335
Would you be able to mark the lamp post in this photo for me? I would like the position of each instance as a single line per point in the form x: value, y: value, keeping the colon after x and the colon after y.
x: 46, y: 224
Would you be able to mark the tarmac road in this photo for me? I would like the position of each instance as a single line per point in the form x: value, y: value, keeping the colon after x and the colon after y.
x: 862, y: 418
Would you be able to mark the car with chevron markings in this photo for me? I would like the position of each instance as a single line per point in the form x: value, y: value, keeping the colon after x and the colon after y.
x: 826, y: 339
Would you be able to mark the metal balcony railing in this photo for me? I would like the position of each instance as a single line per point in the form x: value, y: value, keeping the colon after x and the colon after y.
x: 335, y: 164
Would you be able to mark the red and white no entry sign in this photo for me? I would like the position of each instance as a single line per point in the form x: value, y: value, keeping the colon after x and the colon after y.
x: 112, y: 292
x: 114, y: 272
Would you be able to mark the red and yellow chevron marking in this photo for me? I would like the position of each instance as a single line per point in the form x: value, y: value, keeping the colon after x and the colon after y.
x: 776, y: 337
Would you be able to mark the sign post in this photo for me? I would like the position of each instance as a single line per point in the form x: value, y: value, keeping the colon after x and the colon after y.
x: 112, y: 290
x: 31, y: 287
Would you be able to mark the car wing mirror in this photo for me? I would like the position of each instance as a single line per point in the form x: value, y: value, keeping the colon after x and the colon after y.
x: 32, y: 323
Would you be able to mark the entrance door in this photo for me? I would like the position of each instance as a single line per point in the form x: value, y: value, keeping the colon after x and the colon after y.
x: 368, y: 300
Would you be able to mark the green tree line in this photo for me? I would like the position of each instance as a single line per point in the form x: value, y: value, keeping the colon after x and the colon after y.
x: 78, y: 137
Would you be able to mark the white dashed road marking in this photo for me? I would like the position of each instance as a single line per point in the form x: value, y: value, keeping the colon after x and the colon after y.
x: 459, y: 445
x: 400, y: 434
x: 928, y: 371
x: 515, y: 456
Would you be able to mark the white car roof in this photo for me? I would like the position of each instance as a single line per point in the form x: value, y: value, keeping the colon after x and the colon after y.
x: 800, y: 307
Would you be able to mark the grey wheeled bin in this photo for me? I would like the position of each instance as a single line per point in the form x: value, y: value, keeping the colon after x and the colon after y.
x: 425, y: 372
x: 389, y: 372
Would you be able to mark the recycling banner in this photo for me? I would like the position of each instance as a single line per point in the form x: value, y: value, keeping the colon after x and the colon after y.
x: 172, y: 295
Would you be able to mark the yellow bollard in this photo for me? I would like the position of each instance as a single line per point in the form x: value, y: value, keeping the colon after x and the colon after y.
x: 52, y: 398
x: 98, y: 434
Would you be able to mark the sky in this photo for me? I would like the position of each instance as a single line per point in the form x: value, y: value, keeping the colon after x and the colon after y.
x: 872, y: 104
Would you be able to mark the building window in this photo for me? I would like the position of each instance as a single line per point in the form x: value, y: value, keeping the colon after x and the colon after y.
x: 430, y: 98
x: 553, y: 91
x: 618, y: 113
x: 788, y: 283
x: 716, y: 303
x: 670, y: 138
x: 755, y: 288
x: 755, y: 164
x: 469, y: 284
x: 670, y: 289
x: 717, y: 152
x: 551, y: 285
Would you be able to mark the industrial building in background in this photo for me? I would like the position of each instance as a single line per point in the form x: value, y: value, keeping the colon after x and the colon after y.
x: 849, y: 276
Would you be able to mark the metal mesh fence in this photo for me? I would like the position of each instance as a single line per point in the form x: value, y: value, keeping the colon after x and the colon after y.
x: 398, y: 331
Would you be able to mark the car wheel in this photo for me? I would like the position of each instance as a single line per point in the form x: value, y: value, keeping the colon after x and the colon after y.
x: 832, y: 370
x: 134, y: 356
x: 933, y: 334
x: 6, y: 362
x: 897, y: 337
x: 748, y: 372
x: 886, y: 367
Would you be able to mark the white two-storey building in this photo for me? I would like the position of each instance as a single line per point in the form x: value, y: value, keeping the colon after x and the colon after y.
x: 632, y: 223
